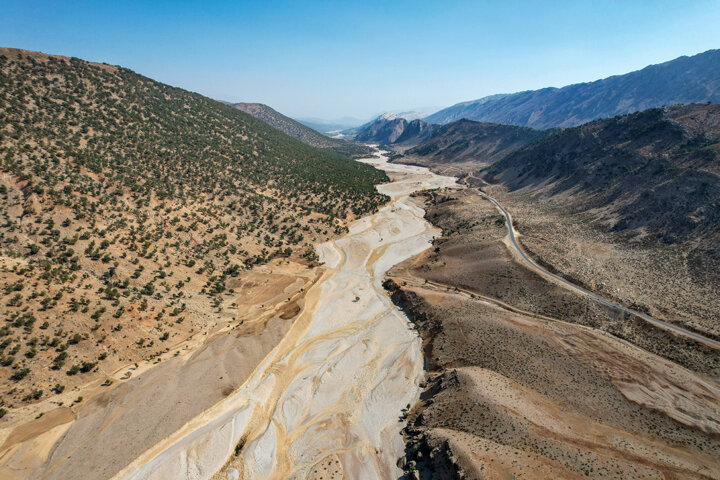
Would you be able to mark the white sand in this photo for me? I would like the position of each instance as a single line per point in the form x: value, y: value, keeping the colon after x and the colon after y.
x: 336, y: 384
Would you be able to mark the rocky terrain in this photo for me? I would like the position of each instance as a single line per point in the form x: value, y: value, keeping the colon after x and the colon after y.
x: 132, y: 215
x: 649, y: 178
x: 471, y: 255
x: 510, y: 395
x: 525, y: 379
x: 693, y: 79
x: 636, y: 197
x: 665, y: 281
x: 469, y: 142
x: 301, y: 132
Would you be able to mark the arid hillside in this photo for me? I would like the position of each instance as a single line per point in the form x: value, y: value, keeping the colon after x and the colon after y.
x: 654, y: 172
x: 468, y: 141
x: 511, y: 395
x: 131, y: 211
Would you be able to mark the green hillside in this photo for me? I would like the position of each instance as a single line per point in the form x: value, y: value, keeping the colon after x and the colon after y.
x: 63, y: 116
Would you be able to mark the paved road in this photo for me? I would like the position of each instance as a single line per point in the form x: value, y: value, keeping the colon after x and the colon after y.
x: 595, y: 297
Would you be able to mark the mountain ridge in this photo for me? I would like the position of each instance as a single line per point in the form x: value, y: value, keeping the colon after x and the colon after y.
x: 686, y: 79
x: 467, y: 140
x: 655, y: 171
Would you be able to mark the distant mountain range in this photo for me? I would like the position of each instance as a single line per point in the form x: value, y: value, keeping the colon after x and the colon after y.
x: 684, y: 80
x: 299, y: 131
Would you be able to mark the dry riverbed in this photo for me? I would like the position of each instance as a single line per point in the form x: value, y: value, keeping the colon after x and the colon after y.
x: 98, y: 436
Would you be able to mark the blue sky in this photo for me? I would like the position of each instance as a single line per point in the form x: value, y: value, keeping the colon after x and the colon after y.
x: 348, y: 58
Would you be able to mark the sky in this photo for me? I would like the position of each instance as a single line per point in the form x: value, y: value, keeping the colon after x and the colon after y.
x: 336, y: 59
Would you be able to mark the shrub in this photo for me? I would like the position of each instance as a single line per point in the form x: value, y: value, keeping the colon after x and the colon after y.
x: 20, y: 374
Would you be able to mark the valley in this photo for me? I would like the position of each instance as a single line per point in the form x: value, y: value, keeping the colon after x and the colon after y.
x: 211, y: 290
x: 285, y: 374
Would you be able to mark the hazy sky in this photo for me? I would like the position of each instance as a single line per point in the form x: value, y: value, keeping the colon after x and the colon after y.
x: 348, y: 58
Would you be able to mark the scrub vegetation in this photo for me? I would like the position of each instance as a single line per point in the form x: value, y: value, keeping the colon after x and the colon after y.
x: 128, y: 206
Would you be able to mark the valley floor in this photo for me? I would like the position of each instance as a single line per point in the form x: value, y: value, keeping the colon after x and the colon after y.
x: 506, y: 375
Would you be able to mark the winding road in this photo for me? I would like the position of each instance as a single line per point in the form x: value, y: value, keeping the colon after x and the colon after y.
x: 512, y: 237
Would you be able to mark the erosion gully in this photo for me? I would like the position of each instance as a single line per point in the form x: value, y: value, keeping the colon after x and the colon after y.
x: 329, y: 396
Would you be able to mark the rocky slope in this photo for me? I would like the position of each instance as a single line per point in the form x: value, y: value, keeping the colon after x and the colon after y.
x: 299, y: 131
x: 693, y: 79
x: 466, y: 140
x: 653, y: 173
x: 510, y: 395
x: 528, y: 380
x: 390, y: 129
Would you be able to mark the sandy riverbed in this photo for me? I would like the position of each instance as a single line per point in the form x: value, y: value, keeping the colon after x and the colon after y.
x: 327, y: 400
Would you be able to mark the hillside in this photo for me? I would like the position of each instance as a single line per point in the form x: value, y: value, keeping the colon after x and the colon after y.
x: 693, y: 79
x: 466, y: 140
x: 131, y: 210
x: 299, y: 131
x: 654, y: 173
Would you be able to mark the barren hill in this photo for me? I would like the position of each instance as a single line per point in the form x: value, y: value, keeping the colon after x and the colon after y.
x: 655, y: 172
